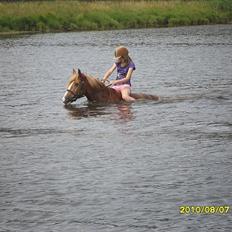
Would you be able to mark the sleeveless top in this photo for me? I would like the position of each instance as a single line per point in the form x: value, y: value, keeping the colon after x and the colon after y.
x: 122, y: 71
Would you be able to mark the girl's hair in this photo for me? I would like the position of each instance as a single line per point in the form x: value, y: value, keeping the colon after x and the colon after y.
x: 127, y: 60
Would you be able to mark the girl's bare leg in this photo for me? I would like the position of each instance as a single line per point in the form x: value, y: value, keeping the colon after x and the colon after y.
x: 126, y: 95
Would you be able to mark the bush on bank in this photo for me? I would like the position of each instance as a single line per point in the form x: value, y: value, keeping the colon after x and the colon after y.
x: 46, y: 16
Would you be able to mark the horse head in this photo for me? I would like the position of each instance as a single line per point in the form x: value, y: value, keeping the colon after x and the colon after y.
x: 75, y: 87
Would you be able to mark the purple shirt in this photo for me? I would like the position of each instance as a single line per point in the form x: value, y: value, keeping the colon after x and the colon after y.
x: 122, y: 71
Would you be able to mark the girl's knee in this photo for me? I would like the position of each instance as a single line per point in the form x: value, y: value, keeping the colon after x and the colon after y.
x: 125, y: 92
x: 128, y: 98
x: 126, y: 95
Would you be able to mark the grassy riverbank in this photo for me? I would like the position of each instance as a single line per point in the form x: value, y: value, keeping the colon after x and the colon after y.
x: 49, y: 16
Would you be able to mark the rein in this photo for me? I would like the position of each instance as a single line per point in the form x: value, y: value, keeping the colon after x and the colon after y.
x: 109, y: 83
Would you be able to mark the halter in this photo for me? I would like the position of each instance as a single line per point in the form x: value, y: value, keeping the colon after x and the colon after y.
x: 77, y: 95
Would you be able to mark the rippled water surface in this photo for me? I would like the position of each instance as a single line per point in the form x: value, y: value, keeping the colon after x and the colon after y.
x: 118, y: 167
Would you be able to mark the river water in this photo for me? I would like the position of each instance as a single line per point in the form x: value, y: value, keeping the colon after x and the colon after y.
x: 118, y: 167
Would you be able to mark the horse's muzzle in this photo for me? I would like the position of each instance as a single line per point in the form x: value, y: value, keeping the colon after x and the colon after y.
x: 66, y: 100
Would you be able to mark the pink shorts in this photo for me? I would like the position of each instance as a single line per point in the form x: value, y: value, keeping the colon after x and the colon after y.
x: 121, y: 87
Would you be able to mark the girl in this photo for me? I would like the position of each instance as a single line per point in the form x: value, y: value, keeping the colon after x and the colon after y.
x: 125, y: 68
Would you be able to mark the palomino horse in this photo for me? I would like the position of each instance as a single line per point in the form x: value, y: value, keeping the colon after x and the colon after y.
x: 81, y: 85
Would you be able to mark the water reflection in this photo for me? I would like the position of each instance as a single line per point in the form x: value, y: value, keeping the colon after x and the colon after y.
x: 123, y: 111
x: 85, y: 111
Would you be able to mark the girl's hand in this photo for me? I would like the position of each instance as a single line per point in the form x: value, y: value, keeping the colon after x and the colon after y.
x: 114, y: 82
x: 106, y: 82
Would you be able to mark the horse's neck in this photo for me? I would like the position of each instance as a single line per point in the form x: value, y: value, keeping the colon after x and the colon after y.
x: 96, y: 91
x: 92, y: 88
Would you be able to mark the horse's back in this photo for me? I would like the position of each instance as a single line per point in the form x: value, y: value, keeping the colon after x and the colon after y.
x: 143, y: 96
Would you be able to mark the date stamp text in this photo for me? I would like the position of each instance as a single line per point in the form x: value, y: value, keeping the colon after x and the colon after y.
x: 213, y: 209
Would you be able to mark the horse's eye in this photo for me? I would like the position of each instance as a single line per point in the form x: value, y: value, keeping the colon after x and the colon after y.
x: 76, y: 84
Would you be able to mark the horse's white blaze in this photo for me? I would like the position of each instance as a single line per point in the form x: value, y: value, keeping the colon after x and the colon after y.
x: 66, y: 93
x: 64, y: 97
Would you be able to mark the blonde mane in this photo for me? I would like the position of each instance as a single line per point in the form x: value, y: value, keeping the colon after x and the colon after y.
x: 93, y: 82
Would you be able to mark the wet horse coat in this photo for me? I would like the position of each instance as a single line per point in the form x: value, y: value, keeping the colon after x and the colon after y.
x: 81, y: 85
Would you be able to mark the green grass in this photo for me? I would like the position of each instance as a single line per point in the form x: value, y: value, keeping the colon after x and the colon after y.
x: 50, y: 16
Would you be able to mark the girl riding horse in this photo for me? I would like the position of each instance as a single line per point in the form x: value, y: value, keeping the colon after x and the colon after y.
x: 125, y: 67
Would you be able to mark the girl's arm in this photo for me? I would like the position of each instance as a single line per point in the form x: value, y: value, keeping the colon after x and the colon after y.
x: 126, y: 79
x: 109, y: 72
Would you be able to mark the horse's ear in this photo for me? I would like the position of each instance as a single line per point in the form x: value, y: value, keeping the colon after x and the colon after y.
x: 81, y: 75
x: 74, y: 71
